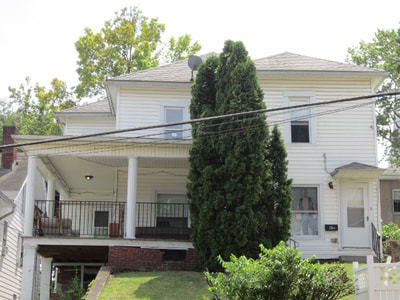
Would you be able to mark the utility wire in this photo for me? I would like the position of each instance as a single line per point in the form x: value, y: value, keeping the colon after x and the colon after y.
x: 206, y: 119
x: 98, y: 147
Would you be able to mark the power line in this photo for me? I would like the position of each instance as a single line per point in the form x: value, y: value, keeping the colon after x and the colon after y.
x: 206, y: 119
x: 98, y: 147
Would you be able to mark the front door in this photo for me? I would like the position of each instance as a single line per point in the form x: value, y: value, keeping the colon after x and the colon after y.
x: 355, y: 218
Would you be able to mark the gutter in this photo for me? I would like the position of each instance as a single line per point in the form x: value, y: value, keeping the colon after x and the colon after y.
x: 9, y: 213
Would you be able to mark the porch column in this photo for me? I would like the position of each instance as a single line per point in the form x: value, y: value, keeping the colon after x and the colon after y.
x: 28, y: 272
x: 45, y: 278
x: 131, y: 199
x: 50, y: 197
x: 30, y: 196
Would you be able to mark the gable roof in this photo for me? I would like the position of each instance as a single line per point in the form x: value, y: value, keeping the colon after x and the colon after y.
x: 175, y: 72
x: 355, y: 167
x: 391, y: 174
x: 287, y: 61
x: 180, y: 73
x: 283, y: 62
x: 99, y: 107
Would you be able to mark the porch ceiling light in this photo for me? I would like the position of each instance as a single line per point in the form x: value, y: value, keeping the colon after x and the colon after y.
x: 88, y: 177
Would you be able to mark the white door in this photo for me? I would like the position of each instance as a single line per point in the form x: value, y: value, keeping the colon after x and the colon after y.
x: 355, y: 219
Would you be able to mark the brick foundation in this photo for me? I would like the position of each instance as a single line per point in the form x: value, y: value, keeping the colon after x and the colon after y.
x: 142, y: 259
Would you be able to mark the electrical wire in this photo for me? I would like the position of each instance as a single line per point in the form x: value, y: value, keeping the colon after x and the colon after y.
x: 242, y: 117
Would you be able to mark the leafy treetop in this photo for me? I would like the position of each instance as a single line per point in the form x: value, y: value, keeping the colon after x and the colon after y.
x: 128, y: 43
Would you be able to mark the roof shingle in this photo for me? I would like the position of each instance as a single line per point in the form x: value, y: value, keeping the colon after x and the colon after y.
x: 101, y: 106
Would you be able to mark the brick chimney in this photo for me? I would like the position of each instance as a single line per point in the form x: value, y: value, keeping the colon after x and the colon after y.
x: 9, y: 155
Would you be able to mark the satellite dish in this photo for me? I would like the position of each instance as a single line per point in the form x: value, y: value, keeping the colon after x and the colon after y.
x: 194, y: 62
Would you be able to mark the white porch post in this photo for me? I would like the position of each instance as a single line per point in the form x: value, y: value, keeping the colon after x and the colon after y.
x: 28, y: 272
x: 45, y: 278
x: 30, y: 196
x: 131, y: 199
x: 50, y: 197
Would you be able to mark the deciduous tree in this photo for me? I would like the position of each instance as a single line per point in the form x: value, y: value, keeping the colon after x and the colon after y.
x: 383, y: 52
x: 128, y: 43
x: 32, y: 108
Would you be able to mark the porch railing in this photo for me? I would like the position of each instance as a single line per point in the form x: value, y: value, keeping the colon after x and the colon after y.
x: 376, y: 241
x: 106, y: 219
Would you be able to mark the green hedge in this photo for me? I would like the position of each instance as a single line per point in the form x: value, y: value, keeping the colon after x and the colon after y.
x: 279, y: 273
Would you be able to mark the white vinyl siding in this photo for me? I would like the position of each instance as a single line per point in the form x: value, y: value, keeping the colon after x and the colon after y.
x: 138, y: 108
x: 151, y: 181
x: 86, y: 125
x: 335, y: 132
x: 10, y: 264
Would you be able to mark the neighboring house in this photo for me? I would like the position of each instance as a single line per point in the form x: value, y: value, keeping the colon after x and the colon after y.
x: 390, y: 195
x: 12, y: 178
x: 119, y: 199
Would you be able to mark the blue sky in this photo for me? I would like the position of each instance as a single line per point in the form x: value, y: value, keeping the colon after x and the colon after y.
x: 37, y: 36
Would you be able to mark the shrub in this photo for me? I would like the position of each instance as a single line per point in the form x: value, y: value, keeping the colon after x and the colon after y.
x: 390, y: 231
x: 74, y: 292
x: 391, y: 240
x: 279, y: 273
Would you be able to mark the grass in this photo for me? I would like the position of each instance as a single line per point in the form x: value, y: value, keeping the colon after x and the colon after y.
x: 171, y: 285
x: 174, y: 285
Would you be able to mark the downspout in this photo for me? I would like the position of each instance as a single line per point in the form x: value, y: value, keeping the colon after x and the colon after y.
x: 325, y: 164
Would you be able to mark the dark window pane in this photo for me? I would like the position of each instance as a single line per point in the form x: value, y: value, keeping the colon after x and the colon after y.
x: 396, y: 204
x: 300, y: 132
x: 101, y: 219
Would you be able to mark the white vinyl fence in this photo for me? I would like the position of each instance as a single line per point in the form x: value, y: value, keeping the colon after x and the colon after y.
x: 377, y: 281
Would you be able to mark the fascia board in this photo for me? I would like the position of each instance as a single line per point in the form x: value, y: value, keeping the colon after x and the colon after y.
x: 132, y: 83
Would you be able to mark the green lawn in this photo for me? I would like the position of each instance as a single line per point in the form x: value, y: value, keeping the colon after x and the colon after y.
x: 171, y: 285
x: 174, y: 285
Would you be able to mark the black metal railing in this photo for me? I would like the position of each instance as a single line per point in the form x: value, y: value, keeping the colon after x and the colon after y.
x: 376, y: 241
x: 292, y: 243
x: 106, y: 219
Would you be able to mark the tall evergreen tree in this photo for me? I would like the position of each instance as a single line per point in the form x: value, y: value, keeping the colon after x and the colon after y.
x: 276, y: 207
x: 203, y: 159
x: 228, y: 168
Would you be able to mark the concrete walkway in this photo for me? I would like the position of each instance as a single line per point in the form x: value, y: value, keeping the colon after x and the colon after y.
x: 99, y: 283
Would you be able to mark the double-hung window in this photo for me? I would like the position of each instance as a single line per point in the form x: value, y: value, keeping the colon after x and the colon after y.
x: 305, y: 211
x: 301, y: 127
x: 172, y: 115
x: 396, y: 201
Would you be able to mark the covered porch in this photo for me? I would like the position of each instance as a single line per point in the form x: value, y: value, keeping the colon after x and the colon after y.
x: 164, y: 219
x: 125, y: 194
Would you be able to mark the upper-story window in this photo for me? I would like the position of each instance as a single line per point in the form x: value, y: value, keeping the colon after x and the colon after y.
x: 301, y: 123
x: 172, y: 112
x: 172, y: 115
x: 396, y: 201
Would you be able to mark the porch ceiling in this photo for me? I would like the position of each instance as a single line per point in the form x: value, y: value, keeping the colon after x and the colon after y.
x: 73, y: 169
x: 81, y: 254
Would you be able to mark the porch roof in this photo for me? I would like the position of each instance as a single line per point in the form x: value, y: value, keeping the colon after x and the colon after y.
x: 356, y: 169
x: 121, y: 145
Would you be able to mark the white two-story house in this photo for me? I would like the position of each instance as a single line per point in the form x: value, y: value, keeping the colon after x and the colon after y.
x: 120, y: 198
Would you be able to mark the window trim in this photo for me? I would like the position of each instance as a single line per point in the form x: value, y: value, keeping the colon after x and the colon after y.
x: 174, y: 104
x: 319, y: 213
x: 187, y: 213
x: 288, y: 102
x: 393, y: 191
